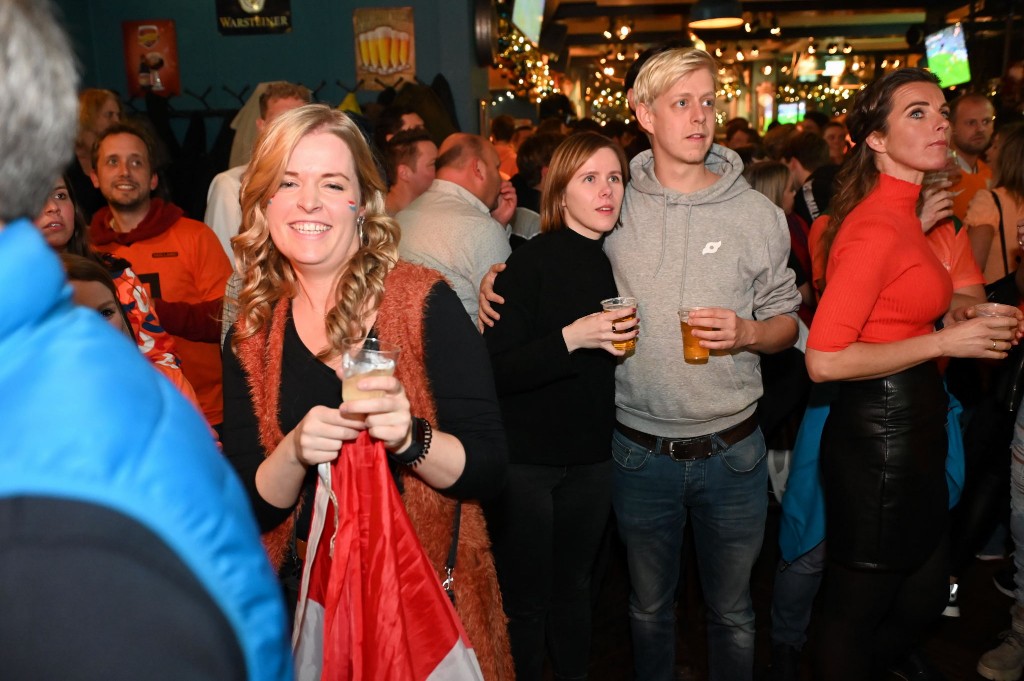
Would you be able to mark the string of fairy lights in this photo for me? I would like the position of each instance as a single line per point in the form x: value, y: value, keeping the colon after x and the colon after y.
x: 524, y: 66
x: 528, y: 73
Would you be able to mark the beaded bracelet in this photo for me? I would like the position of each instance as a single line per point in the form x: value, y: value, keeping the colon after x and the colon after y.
x: 418, y: 448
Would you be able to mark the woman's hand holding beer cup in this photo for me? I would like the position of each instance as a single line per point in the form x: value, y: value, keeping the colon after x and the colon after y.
x: 600, y: 329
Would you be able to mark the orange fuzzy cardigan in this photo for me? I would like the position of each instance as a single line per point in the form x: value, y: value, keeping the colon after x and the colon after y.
x: 400, y: 320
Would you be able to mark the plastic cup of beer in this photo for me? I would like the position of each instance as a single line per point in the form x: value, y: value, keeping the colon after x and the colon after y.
x: 994, y: 310
x: 693, y: 353
x: 362, y: 358
x: 622, y: 303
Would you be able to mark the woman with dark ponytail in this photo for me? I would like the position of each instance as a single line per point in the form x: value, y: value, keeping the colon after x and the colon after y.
x: 884, y: 443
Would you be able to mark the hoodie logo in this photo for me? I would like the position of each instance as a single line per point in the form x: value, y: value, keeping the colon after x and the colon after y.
x: 711, y: 247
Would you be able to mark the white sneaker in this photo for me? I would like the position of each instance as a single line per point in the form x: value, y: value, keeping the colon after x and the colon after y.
x: 1005, y: 662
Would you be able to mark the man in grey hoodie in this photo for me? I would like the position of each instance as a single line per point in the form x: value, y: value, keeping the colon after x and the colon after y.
x: 686, y: 445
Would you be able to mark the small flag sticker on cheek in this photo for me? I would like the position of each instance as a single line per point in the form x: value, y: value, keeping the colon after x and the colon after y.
x: 352, y: 205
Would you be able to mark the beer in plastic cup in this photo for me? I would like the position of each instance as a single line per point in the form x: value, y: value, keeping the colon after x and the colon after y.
x: 622, y: 303
x: 994, y: 310
x: 693, y: 353
x: 363, y: 357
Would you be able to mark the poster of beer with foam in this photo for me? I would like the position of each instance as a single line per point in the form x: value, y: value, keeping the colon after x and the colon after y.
x: 151, y: 57
x: 385, y: 47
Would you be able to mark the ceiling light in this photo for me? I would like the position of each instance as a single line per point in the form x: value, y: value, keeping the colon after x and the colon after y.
x: 718, y: 52
x: 775, y: 30
x: 747, y: 27
x: 833, y: 48
x: 767, y: 70
x: 739, y: 53
x: 754, y: 52
x: 716, y: 14
x: 811, y: 49
x: 608, y: 34
x: 847, y: 48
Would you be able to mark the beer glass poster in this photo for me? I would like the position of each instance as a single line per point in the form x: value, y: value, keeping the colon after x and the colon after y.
x: 385, y: 46
x: 151, y: 57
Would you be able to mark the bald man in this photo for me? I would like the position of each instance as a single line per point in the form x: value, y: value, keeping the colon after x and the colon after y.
x: 459, y: 225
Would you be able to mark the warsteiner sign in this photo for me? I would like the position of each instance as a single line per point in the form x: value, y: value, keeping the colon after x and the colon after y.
x: 248, y: 17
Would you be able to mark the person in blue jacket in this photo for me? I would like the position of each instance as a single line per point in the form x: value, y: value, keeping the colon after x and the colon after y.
x: 127, y: 548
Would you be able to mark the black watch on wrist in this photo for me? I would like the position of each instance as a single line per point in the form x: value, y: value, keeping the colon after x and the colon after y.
x: 418, y: 447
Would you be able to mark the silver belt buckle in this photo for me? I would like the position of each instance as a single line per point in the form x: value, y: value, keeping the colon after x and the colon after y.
x: 691, y: 442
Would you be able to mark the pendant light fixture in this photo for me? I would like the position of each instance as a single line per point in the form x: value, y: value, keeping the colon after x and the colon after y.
x: 706, y: 14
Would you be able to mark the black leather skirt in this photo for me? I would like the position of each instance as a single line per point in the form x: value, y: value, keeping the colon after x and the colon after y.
x: 883, y: 453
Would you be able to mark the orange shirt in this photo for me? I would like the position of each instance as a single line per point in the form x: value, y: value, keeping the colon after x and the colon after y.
x: 952, y: 248
x: 818, y: 228
x: 507, y: 156
x: 969, y: 185
x: 185, y: 263
x: 884, y: 281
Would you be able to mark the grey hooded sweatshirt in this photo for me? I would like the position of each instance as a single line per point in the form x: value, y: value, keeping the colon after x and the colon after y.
x: 723, y: 246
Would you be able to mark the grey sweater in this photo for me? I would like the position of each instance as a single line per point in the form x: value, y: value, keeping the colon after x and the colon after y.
x: 723, y: 246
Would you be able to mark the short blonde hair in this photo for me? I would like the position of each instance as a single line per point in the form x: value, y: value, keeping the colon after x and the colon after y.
x: 267, y: 276
x: 665, y: 68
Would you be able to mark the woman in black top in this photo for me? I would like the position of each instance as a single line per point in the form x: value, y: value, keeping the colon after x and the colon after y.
x: 554, y: 366
x: 319, y: 262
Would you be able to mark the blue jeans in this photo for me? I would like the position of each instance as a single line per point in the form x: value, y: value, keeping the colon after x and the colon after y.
x: 796, y: 585
x: 1017, y: 502
x: 726, y: 496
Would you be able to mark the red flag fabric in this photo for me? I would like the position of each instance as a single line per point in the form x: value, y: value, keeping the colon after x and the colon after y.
x: 371, y: 606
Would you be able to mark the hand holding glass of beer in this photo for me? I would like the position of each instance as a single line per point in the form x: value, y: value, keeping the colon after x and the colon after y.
x: 625, y: 323
x: 363, y: 358
x: 693, y: 353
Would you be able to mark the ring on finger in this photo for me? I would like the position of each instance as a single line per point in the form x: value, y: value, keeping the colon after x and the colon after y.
x: 613, y: 327
x: 993, y: 345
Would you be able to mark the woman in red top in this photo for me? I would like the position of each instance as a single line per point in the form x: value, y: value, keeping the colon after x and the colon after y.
x: 884, y: 444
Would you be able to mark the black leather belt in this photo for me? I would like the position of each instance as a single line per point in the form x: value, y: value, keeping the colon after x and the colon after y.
x: 692, y: 448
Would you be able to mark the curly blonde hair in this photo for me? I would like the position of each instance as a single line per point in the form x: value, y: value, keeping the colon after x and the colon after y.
x: 267, y: 276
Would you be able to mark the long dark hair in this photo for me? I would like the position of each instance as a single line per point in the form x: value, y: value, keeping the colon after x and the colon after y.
x: 82, y: 268
x: 78, y: 244
x: 859, y: 174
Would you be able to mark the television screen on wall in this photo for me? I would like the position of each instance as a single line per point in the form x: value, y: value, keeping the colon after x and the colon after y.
x: 947, y: 56
x: 528, y: 15
x: 791, y: 112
